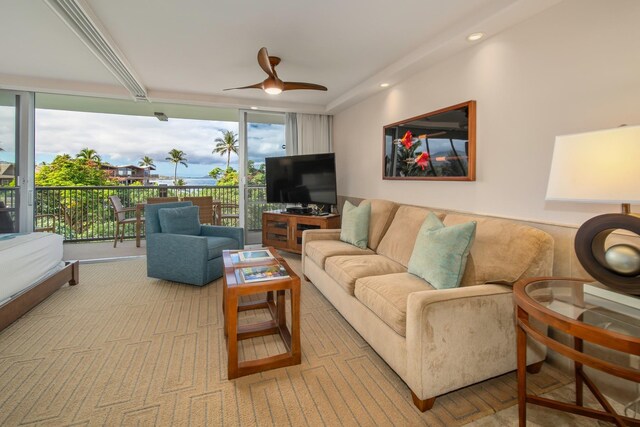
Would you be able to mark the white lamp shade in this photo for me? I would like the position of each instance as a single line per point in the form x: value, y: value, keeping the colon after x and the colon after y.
x: 597, y: 167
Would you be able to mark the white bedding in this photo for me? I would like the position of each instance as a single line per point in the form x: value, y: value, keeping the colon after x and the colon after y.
x: 27, y: 259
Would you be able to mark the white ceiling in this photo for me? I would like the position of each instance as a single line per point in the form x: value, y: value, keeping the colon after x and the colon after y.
x: 188, y: 51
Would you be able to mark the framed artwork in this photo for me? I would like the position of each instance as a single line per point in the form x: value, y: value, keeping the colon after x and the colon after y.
x: 437, y: 146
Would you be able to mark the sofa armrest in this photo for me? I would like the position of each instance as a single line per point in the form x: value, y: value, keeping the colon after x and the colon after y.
x: 236, y: 233
x: 318, y: 234
x: 457, y: 337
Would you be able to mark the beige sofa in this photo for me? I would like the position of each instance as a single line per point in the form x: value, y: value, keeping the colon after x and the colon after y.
x: 436, y: 340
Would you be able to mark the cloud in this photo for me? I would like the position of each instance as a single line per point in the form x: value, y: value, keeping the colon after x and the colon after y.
x: 126, y: 138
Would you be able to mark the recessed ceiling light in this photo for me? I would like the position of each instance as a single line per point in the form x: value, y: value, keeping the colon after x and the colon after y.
x: 254, y: 108
x: 475, y: 37
x: 384, y: 84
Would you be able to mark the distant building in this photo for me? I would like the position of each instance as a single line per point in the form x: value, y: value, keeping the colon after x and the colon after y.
x: 7, y: 173
x: 129, y: 174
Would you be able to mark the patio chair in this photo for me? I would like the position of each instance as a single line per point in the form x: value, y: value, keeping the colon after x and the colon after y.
x: 207, y: 208
x: 45, y: 223
x: 120, y: 213
x: 182, y: 250
x: 6, y: 223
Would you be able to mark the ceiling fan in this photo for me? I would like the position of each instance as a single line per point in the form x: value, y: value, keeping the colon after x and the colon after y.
x: 272, y: 84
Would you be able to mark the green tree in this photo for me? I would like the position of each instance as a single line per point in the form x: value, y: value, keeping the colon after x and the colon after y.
x: 177, y: 157
x: 89, y: 155
x: 215, y: 173
x: 181, y: 182
x: 255, y: 176
x: 230, y: 178
x: 65, y: 171
x: 146, y: 161
x: 226, y: 145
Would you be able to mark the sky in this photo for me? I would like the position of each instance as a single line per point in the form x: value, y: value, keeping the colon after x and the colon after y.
x: 123, y: 139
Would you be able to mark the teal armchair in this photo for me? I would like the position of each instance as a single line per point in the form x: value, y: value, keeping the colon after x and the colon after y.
x: 192, y: 259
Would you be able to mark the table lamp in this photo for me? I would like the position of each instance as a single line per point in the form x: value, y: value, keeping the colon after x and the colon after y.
x: 602, y: 167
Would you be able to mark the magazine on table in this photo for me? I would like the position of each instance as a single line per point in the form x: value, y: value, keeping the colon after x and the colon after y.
x: 257, y: 255
x: 263, y: 272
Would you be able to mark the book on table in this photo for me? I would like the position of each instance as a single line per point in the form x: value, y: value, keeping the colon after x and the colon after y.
x: 257, y: 255
x: 263, y: 272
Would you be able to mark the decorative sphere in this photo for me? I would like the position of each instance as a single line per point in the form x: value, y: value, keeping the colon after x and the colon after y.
x: 623, y: 259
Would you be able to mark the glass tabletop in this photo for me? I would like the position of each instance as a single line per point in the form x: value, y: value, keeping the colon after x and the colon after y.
x: 591, y: 303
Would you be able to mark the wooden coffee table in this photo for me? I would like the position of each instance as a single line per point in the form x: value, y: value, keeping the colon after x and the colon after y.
x: 234, y: 288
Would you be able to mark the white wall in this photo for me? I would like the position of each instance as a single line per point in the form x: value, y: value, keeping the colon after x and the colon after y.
x: 573, y: 68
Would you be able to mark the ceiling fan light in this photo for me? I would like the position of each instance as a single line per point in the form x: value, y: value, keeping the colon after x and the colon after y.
x: 273, y: 90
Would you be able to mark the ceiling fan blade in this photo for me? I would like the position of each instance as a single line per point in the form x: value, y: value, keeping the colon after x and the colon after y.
x: 301, y: 85
x: 255, y: 86
x: 265, y: 64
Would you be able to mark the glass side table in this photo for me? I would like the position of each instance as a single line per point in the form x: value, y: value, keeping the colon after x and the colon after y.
x: 572, y: 307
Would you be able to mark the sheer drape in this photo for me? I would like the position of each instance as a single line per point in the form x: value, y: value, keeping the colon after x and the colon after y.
x: 308, y: 133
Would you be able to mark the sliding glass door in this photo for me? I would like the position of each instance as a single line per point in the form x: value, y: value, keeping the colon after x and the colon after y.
x: 16, y: 161
x: 262, y: 135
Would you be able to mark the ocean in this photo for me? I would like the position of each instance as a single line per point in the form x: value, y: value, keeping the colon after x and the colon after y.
x: 188, y: 181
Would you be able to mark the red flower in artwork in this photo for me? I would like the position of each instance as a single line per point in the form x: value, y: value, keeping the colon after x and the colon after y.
x: 422, y: 160
x: 406, y: 140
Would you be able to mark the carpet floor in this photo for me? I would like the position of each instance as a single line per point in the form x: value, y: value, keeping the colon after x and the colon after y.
x: 124, y: 349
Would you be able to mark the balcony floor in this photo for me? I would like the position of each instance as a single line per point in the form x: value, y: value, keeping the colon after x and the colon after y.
x: 84, y: 251
x: 103, y: 250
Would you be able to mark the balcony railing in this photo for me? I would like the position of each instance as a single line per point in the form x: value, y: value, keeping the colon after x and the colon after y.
x: 85, y: 214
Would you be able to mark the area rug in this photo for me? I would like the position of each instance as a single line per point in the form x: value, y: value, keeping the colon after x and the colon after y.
x: 124, y: 349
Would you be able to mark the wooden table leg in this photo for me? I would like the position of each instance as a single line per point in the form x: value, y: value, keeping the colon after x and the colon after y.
x: 296, y: 352
x: 138, y: 222
x: 224, y: 306
x: 232, y: 337
x: 522, y: 370
x: 577, y: 370
x: 281, y: 310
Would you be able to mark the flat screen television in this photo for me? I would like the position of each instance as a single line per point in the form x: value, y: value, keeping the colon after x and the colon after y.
x: 306, y: 179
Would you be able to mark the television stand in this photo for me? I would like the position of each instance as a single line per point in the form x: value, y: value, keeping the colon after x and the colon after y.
x: 283, y: 230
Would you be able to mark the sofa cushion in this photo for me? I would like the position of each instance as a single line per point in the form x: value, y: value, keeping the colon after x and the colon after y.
x: 183, y: 220
x: 382, y: 212
x: 346, y: 269
x: 215, y: 245
x: 355, y: 224
x: 400, y: 238
x: 320, y: 250
x: 387, y: 296
x: 503, y: 251
x: 440, y: 253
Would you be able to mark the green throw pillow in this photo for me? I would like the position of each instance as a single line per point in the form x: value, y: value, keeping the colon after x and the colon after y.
x: 183, y: 220
x: 355, y: 224
x: 440, y: 253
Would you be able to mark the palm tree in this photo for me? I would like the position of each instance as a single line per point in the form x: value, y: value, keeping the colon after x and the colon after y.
x: 177, y: 157
x: 89, y: 154
x: 146, y: 161
x: 227, y: 144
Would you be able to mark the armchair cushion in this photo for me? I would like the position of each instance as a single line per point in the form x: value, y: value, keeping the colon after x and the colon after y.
x: 183, y: 220
x: 215, y: 245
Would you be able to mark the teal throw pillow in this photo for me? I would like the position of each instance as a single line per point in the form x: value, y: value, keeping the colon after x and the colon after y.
x: 440, y: 253
x: 183, y: 220
x: 355, y: 224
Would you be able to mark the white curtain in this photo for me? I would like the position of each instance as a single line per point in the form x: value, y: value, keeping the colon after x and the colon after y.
x: 308, y: 133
